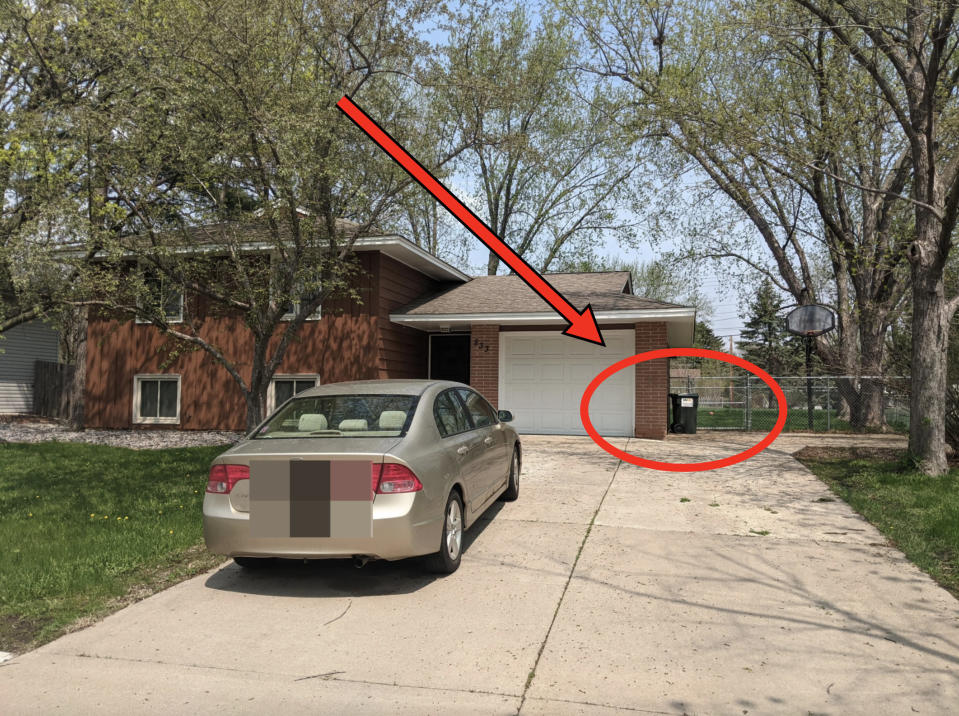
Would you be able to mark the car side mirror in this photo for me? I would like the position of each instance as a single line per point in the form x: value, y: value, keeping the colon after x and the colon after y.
x: 505, y: 416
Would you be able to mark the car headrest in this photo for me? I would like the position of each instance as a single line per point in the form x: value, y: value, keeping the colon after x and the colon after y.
x: 392, y: 420
x: 309, y: 422
x: 354, y: 424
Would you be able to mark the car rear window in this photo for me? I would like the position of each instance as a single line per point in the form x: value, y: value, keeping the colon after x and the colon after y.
x: 341, y: 416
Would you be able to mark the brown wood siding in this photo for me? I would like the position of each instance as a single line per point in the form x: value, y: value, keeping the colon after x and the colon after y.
x: 403, y: 352
x: 342, y: 345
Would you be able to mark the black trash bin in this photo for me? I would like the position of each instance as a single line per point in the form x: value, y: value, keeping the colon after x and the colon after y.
x: 684, y: 412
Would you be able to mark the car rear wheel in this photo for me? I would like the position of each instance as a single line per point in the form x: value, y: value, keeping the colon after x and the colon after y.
x: 253, y: 562
x: 512, y: 488
x: 447, y: 560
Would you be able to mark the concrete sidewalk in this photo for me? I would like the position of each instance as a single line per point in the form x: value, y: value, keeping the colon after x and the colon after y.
x: 604, y: 588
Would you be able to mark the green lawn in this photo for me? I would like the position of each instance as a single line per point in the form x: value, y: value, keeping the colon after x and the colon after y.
x: 763, y: 419
x: 86, y: 528
x: 919, y: 514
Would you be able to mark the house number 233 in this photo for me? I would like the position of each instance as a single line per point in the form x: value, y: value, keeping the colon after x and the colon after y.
x: 480, y: 345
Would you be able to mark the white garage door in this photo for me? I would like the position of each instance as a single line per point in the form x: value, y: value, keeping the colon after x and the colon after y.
x: 543, y: 376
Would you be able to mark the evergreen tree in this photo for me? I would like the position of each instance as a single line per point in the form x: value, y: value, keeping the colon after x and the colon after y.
x: 765, y: 341
x: 704, y: 337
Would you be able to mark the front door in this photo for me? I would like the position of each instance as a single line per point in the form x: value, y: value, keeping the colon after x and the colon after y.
x: 450, y: 357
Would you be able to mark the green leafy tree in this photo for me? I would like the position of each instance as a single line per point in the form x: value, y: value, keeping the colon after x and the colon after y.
x: 908, y: 52
x: 810, y: 166
x: 58, y: 62
x: 50, y: 67
x: 432, y: 135
x: 216, y: 125
x: 544, y: 166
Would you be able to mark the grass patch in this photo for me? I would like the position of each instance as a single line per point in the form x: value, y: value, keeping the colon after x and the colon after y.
x: 918, y: 514
x: 85, y: 529
x: 796, y: 420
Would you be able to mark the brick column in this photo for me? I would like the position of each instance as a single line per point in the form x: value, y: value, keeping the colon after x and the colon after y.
x: 652, y: 383
x: 484, y: 361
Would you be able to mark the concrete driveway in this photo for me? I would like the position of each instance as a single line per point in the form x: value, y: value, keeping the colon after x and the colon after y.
x: 600, y: 590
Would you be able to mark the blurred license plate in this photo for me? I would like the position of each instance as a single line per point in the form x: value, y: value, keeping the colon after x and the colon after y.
x: 311, y: 498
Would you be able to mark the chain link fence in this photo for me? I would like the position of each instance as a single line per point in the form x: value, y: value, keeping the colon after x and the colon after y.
x: 839, y: 403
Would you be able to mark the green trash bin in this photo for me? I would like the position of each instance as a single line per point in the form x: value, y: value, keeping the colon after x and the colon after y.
x: 684, y: 406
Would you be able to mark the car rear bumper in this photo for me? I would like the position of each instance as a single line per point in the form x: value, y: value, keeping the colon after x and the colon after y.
x: 397, y: 533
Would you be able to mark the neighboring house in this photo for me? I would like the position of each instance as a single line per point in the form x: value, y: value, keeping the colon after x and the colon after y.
x: 419, y: 318
x: 20, y: 348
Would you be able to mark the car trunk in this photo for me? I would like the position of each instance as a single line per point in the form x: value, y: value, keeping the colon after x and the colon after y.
x: 336, y: 449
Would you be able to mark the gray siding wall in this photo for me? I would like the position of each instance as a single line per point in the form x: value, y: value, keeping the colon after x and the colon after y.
x: 19, y: 348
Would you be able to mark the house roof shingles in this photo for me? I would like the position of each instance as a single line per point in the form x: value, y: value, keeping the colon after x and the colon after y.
x: 509, y: 294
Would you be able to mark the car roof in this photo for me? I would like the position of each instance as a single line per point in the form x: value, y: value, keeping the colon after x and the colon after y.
x: 374, y: 387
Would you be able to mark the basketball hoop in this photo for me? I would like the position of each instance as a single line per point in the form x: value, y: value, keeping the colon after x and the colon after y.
x: 811, y: 320
x: 808, y: 322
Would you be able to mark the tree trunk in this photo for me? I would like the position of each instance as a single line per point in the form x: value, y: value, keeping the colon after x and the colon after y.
x: 492, y: 264
x: 868, y: 413
x: 850, y: 399
x: 255, y: 404
x: 259, y: 380
x: 930, y: 341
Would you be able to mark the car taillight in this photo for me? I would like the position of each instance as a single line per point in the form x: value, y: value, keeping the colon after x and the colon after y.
x: 390, y: 478
x: 224, y: 477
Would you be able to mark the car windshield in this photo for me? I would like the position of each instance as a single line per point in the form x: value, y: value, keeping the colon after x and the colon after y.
x: 359, y: 416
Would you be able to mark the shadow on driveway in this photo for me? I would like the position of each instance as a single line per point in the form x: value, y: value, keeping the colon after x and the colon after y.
x: 766, y: 576
x: 337, y: 578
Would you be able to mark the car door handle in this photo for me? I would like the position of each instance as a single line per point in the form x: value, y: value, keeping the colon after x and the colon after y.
x: 463, y: 449
x: 488, y: 441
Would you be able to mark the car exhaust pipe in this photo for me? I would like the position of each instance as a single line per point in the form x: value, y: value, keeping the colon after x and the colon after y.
x: 360, y: 560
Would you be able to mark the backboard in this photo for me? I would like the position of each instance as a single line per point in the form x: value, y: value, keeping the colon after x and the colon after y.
x: 811, y: 320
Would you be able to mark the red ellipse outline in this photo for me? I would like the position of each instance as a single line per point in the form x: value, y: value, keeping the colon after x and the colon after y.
x: 683, y: 466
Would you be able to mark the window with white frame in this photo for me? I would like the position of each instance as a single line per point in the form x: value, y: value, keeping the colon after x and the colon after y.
x: 284, y: 387
x: 293, y: 307
x: 166, y: 295
x: 156, y: 399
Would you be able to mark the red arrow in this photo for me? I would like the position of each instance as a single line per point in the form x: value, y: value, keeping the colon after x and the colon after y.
x: 582, y: 324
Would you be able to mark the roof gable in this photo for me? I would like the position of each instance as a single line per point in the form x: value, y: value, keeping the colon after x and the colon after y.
x: 607, y: 290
